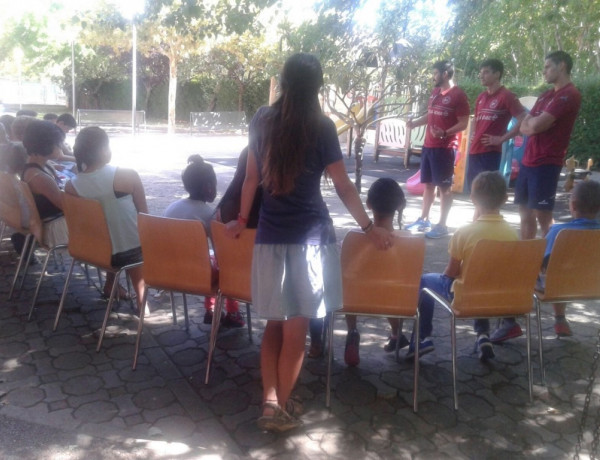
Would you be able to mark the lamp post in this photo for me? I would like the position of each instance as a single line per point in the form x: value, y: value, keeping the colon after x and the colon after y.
x: 130, y: 10
x: 73, y: 74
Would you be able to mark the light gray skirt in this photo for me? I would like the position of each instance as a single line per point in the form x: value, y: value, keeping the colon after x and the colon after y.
x: 290, y: 280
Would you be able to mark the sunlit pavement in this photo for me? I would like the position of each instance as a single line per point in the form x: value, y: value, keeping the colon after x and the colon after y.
x: 61, y: 399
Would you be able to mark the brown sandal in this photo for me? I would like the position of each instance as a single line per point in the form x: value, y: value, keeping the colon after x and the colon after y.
x: 294, y: 406
x: 279, y: 422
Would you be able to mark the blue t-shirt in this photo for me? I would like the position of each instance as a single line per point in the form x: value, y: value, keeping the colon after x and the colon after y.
x: 301, y: 217
x: 576, y: 224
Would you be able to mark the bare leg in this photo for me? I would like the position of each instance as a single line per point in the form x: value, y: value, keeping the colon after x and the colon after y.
x: 269, y: 359
x: 396, y: 325
x: 528, y: 223
x: 428, y: 198
x: 351, y: 322
x: 446, y: 198
x: 545, y: 220
x: 138, y: 284
x: 559, y: 309
x: 291, y: 356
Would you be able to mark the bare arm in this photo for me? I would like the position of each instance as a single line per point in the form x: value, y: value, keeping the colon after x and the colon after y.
x: 460, y: 125
x: 488, y: 139
x: 249, y: 187
x: 417, y: 122
x: 347, y: 192
x: 42, y: 184
x: 534, y: 125
x: 128, y: 181
x: 453, y: 268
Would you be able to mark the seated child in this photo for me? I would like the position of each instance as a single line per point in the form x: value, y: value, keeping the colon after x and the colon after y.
x: 584, y: 206
x: 488, y: 193
x: 200, y: 181
x: 384, y: 198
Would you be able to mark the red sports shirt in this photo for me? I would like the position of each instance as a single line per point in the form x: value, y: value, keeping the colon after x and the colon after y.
x: 492, y: 115
x: 443, y: 111
x: 550, y: 147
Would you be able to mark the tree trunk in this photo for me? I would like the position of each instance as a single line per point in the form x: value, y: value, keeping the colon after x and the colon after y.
x: 241, y: 91
x: 359, y: 147
x: 172, y: 94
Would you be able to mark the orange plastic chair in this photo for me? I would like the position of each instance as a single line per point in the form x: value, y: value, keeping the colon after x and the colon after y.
x: 382, y: 284
x: 497, y: 282
x: 234, y: 257
x: 18, y: 210
x: 572, y: 274
x: 89, y: 243
x: 176, y: 258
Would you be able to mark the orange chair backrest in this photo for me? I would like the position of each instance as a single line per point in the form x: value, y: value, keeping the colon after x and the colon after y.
x: 17, y: 207
x: 499, y: 278
x: 573, y: 271
x: 89, y: 239
x: 381, y: 282
x: 234, y: 257
x: 175, y: 253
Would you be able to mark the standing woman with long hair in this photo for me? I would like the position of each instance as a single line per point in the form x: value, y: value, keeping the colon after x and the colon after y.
x: 296, y: 271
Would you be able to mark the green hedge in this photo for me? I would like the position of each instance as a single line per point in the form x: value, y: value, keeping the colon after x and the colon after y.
x: 586, y: 133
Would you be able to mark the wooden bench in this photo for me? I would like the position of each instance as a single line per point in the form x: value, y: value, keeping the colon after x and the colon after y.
x: 87, y: 117
x: 395, y: 138
x: 218, y: 121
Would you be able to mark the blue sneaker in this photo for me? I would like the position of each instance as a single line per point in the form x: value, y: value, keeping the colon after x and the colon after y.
x: 420, y: 225
x: 437, y: 232
x: 426, y: 346
x: 485, y: 347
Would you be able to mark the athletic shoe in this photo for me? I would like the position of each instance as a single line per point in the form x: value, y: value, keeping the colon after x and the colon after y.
x: 420, y: 225
x: 391, y: 343
x: 208, y: 316
x: 426, y: 346
x: 562, y: 327
x: 507, y: 330
x: 233, y: 320
x: 485, y: 347
x: 436, y: 232
x: 351, y: 355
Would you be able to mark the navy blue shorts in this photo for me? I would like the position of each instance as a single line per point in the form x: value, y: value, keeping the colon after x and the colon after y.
x: 480, y: 162
x: 437, y: 166
x: 536, y: 186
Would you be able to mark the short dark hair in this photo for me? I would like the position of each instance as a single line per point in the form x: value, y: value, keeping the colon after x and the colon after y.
x: 199, y: 179
x: 586, y: 197
x: 444, y: 66
x: 89, y: 143
x: 19, y: 126
x: 385, y: 197
x: 50, y: 116
x: 7, y: 120
x: 560, y: 56
x: 489, y: 190
x: 26, y: 113
x: 67, y: 119
x: 494, y: 64
x: 41, y: 137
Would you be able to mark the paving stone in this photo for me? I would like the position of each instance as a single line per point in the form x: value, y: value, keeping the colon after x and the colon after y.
x: 25, y: 397
x: 174, y: 427
x: 63, y: 340
x: 61, y: 404
x: 12, y: 349
x: 189, y: 356
x: 77, y: 401
x: 154, y: 398
x: 96, y: 412
x: 229, y: 402
x: 70, y: 361
x: 82, y: 385
x: 13, y: 372
x: 355, y: 392
x: 135, y: 419
x: 11, y: 328
x: 152, y: 415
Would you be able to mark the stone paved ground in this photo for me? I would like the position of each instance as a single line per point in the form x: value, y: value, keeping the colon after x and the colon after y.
x: 80, y: 403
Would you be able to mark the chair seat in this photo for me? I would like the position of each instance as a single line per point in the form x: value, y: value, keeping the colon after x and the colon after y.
x: 379, y: 310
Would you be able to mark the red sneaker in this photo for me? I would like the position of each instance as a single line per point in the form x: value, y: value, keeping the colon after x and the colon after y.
x: 562, y: 328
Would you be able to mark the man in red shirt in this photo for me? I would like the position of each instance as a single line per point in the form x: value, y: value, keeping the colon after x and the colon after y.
x: 494, y: 109
x: 447, y: 115
x: 549, y: 126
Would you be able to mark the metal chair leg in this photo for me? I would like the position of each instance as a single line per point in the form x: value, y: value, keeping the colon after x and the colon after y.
x: 22, y: 258
x: 39, y: 284
x: 453, y: 344
x: 173, y: 309
x: 249, y: 322
x: 538, y: 310
x: 185, y: 313
x: 529, y: 370
x: 64, y: 295
x: 113, y: 293
x: 329, y: 360
x: 27, y: 264
x: 214, y: 330
x: 138, y: 338
x: 416, y: 370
